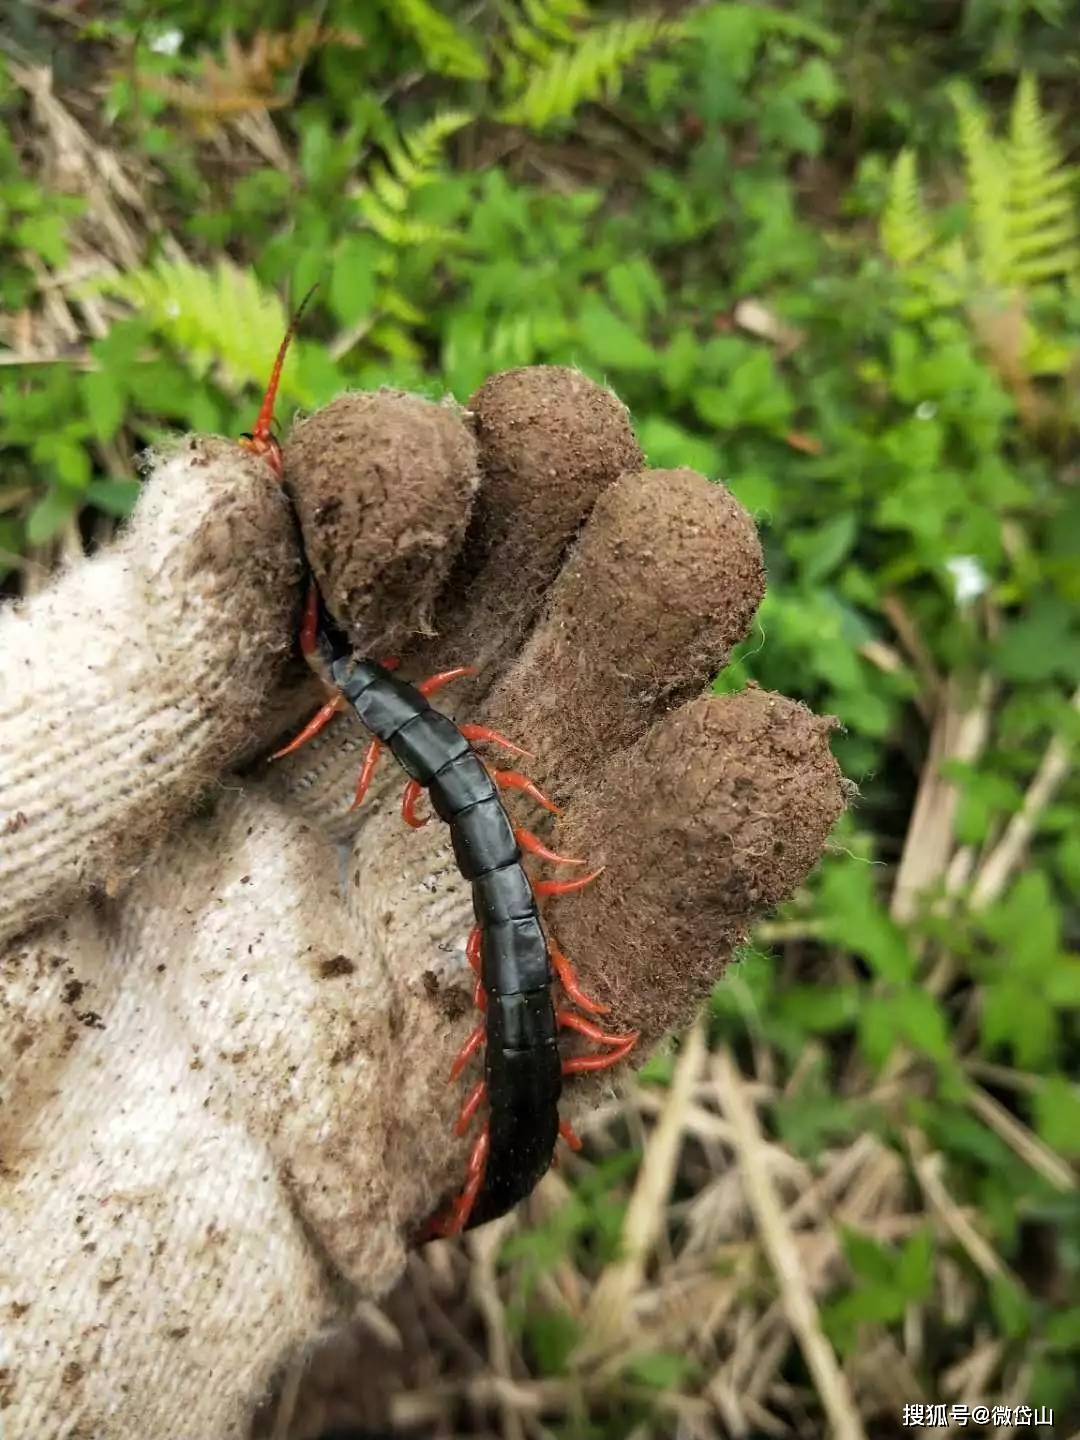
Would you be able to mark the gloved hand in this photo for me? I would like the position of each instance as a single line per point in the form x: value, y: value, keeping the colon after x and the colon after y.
x: 229, y: 1004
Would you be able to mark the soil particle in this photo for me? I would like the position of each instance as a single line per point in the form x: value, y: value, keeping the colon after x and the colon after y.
x: 339, y: 965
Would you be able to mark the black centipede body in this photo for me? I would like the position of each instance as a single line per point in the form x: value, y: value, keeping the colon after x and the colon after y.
x: 523, y: 1066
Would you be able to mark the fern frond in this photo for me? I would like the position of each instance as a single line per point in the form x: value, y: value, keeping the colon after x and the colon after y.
x: 594, y: 64
x: 1043, y: 232
x: 986, y: 165
x: 447, y: 50
x: 411, y: 162
x: 217, y: 318
x: 906, y: 230
x: 555, y: 17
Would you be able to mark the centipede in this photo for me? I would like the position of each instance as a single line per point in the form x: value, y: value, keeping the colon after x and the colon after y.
x: 516, y: 963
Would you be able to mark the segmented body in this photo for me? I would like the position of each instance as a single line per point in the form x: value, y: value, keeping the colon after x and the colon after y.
x: 522, y: 1062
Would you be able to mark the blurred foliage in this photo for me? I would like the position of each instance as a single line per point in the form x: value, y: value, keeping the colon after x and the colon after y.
x: 827, y: 255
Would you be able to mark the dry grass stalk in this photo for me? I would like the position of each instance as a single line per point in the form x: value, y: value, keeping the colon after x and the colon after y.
x: 960, y: 733
x: 928, y: 1170
x: 609, y: 1309
x: 799, y: 1304
x: 1001, y: 864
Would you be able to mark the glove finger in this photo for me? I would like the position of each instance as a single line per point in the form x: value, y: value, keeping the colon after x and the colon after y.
x: 129, y: 683
x: 717, y: 813
x: 663, y: 583
x: 383, y: 485
x: 549, y: 442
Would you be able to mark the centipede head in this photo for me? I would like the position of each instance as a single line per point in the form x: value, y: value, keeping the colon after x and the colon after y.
x: 262, y: 440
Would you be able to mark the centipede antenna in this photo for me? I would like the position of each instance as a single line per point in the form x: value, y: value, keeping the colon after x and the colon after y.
x: 263, y: 424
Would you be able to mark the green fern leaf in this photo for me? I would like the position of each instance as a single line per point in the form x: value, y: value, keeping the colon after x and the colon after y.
x: 217, y: 318
x: 906, y: 231
x: 411, y: 163
x: 446, y: 49
x: 987, y: 169
x: 1043, y: 232
x: 555, y: 17
x: 594, y: 65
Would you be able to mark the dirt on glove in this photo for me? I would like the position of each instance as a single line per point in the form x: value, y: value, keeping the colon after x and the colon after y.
x: 550, y: 442
x: 714, y: 816
x: 383, y: 485
x: 664, y: 582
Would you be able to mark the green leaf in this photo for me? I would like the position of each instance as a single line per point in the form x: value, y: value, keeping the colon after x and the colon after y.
x: 820, y: 1008
x: 1062, y: 984
x: 553, y: 1336
x: 1057, y: 1115
x: 822, y: 549
x: 1018, y: 1015
x: 1026, y: 925
x: 660, y: 1369
x: 50, y: 515
x: 447, y: 49
x: 354, y: 280
x: 867, y: 1258
x: 1011, y: 1307
x: 636, y: 289
x: 753, y: 396
x: 610, y: 341
x: 115, y: 497
x: 915, y: 1270
x: 1063, y: 1330
x: 919, y: 1019
x: 104, y: 402
x: 668, y: 446
x: 46, y: 235
x: 877, y: 1032
x: 1045, y: 643
x: 855, y: 918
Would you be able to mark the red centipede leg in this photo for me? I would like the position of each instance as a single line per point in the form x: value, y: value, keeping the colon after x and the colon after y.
x: 570, y: 1135
x: 413, y: 791
x: 479, y: 995
x: 528, y: 841
x: 475, y: 734
x: 429, y: 687
x: 473, y: 948
x: 543, y: 888
x: 472, y: 1045
x: 315, y: 726
x: 585, y: 1064
x: 570, y: 983
x: 471, y: 1106
x: 513, y: 780
x: 466, y: 1201
x: 367, y: 773
x: 569, y: 1021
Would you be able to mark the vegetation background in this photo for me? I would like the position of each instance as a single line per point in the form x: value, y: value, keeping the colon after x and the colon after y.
x: 828, y: 253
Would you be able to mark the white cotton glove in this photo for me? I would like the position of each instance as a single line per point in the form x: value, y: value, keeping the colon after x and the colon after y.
x: 225, y: 1031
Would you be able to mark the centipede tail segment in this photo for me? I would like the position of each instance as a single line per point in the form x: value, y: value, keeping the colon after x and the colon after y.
x: 515, y: 964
